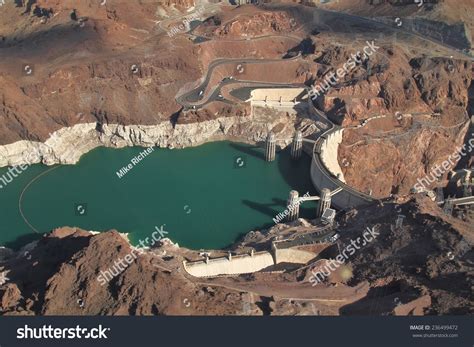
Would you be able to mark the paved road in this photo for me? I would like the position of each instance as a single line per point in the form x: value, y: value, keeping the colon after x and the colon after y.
x: 322, y: 235
x: 329, y: 18
x: 294, y: 290
x: 193, y: 99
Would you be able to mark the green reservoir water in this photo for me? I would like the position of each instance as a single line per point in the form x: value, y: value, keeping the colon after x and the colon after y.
x: 204, y: 197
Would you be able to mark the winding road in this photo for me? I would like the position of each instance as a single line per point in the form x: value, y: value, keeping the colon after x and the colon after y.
x: 192, y: 99
x: 197, y: 98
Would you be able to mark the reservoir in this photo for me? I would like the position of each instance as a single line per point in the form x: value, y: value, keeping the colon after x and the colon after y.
x: 205, y: 197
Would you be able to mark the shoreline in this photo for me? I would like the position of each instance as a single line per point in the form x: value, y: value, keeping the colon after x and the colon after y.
x: 68, y: 144
x: 229, y: 133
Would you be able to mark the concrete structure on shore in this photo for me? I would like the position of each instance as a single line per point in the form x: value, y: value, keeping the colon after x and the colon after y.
x: 326, y: 171
x: 324, y: 174
x: 293, y: 206
x: 270, y: 147
x: 297, y: 145
x: 286, y: 251
x: 280, y: 98
x: 246, y: 263
x: 328, y: 153
x: 324, y: 202
x: 294, y: 201
x: 293, y: 256
x: 237, y: 264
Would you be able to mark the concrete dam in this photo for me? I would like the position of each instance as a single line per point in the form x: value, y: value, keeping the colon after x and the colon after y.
x: 326, y: 172
x: 246, y: 263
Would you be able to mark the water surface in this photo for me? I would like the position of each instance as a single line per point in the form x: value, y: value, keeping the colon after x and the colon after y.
x: 204, y: 197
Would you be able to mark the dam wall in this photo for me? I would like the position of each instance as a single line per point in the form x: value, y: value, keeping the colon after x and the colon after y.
x: 328, y: 153
x: 284, y: 99
x: 246, y: 263
x: 283, y: 95
x: 239, y: 264
x: 294, y: 256
x: 325, y: 169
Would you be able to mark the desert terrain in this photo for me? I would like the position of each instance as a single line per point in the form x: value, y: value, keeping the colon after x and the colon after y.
x: 121, y: 74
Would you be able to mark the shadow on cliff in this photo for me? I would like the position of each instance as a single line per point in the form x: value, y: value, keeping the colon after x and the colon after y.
x: 305, y: 47
x: 22, y: 240
x: 378, y: 301
x: 32, y: 270
x: 314, y: 20
x: 384, y: 300
x: 64, y: 38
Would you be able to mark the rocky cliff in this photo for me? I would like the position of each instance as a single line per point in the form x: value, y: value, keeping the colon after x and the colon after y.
x: 67, y: 145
